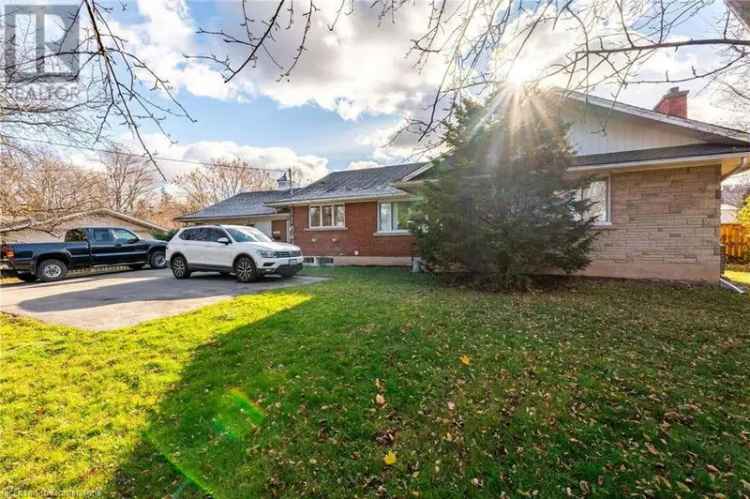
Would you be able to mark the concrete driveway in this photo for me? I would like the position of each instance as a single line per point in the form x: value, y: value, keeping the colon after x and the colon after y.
x: 110, y: 301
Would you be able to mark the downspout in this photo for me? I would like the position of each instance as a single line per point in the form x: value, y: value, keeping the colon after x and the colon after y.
x: 290, y: 228
x: 743, y: 167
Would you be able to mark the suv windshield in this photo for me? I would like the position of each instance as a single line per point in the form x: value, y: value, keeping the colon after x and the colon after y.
x: 248, y: 235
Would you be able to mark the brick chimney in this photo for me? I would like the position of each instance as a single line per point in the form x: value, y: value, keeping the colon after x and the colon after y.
x: 674, y: 103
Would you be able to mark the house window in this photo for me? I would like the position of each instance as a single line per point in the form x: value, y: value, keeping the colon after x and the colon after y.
x: 394, y: 216
x: 327, y: 215
x: 598, y: 191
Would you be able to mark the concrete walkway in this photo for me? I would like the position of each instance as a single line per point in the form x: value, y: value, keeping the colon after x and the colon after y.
x: 110, y: 301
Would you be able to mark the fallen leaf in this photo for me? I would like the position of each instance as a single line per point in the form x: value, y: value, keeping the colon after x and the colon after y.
x: 465, y: 359
x: 451, y: 406
x: 379, y: 399
x: 651, y: 449
x: 390, y: 458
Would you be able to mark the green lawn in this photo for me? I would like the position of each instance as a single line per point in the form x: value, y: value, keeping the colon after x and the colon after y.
x: 602, y: 389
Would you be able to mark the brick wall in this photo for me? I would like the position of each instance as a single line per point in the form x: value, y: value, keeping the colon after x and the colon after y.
x: 665, y: 225
x: 357, y: 239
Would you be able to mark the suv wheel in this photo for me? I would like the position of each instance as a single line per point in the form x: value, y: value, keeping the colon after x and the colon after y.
x: 244, y: 269
x: 180, y: 267
x: 157, y: 260
x: 52, y: 270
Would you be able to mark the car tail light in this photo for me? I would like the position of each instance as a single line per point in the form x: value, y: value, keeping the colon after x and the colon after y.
x: 7, y: 251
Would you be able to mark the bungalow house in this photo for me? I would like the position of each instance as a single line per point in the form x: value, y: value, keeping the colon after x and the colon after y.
x: 657, y: 192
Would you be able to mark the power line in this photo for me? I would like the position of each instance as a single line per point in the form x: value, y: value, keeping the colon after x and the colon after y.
x: 141, y: 156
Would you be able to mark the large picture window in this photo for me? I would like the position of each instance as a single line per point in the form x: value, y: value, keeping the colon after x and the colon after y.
x: 327, y: 215
x: 394, y: 216
x: 598, y: 191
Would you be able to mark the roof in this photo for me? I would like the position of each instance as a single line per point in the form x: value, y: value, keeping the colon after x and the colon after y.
x: 383, y: 181
x: 28, y: 224
x: 659, y: 153
x: 244, y: 204
x: 368, y: 182
x: 719, y: 133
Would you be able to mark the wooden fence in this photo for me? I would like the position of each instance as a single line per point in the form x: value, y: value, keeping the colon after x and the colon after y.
x: 736, y: 241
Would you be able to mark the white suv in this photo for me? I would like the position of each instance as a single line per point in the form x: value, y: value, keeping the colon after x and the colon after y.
x: 243, y: 251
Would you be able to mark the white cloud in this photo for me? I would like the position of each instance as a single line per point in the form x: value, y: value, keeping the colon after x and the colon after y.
x: 163, y: 38
x: 361, y: 165
x: 360, y: 67
x: 176, y: 159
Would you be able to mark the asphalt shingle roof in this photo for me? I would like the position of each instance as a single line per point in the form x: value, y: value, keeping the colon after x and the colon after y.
x: 366, y: 182
x: 376, y: 182
x: 243, y: 204
x: 675, y: 152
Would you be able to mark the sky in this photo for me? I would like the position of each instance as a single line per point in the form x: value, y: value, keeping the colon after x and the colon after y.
x: 351, y: 89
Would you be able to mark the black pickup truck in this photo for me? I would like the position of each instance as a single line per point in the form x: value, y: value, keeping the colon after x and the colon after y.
x: 83, y: 247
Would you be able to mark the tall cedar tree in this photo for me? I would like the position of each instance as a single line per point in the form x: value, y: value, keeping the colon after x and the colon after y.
x: 500, y: 207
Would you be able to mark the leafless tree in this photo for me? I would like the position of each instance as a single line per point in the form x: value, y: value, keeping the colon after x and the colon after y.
x: 44, y: 190
x: 165, y: 208
x: 482, y: 44
x: 479, y: 44
x: 222, y: 179
x: 735, y: 194
x: 126, y: 181
x: 111, y: 87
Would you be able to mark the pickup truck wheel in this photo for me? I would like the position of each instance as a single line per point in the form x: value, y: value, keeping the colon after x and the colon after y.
x: 52, y: 270
x: 180, y: 267
x: 157, y: 260
x: 26, y: 277
x: 244, y: 269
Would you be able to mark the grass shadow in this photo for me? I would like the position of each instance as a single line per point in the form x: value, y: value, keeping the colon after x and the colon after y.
x: 239, y: 420
x: 555, y: 390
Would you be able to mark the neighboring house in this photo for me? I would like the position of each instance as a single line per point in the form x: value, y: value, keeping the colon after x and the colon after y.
x: 728, y: 214
x: 657, y: 189
x: 37, y: 231
x: 247, y: 208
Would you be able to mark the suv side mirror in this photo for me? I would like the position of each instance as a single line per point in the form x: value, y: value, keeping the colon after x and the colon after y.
x: 223, y: 240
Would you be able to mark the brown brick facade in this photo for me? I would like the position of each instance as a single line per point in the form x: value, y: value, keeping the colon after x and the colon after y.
x: 665, y: 225
x: 357, y: 239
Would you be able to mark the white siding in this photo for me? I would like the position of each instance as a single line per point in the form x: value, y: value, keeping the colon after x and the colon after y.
x: 265, y: 227
x: 598, y: 131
